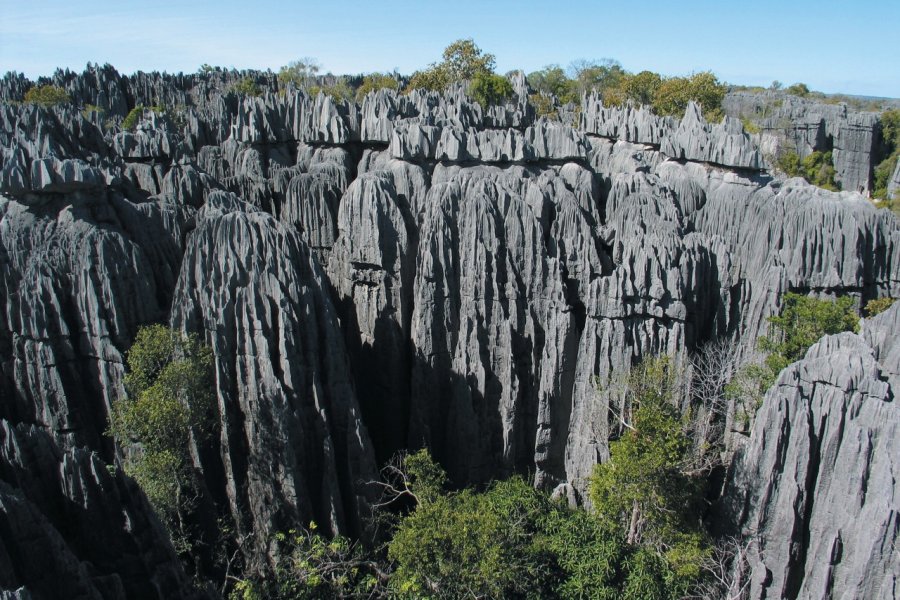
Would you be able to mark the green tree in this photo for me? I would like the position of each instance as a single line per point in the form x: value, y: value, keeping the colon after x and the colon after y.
x: 376, y: 81
x: 310, y: 566
x: 169, y: 389
x: 600, y: 75
x: 818, y: 169
x: 463, y: 59
x: 247, y: 86
x: 488, y: 89
x: 798, y: 89
x: 890, y: 133
x: 339, y: 91
x: 640, y: 88
x: 47, y: 95
x: 802, y: 322
x: 552, y: 80
x: 674, y: 93
x: 645, y: 490
x: 301, y: 73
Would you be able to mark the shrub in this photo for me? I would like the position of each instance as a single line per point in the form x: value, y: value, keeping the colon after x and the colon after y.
x: 488, y: 89
x: 798, y: 89
x: 309, y: 565
x: 544, y: 106
x: 463, y: 59
x: 169, y: 395
x: 246, y: 87
x: 600, y: 76
x: 552, y: 80
x: 817, y: 168
x: 300, y: 73
x: 878, y: 306
x: 802, y: 322
x: 750, y: 126
x: 339, y: 92
x: 639, y: 89
x: 376, y: 81
x: 673, y: 95
x: 89, y: 109
x: 644, y: 492
x: 47, y: 95
x: 133, y: 117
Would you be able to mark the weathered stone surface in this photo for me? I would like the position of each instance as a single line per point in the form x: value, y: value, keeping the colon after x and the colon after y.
x: 293, y: 446
x: 627, y: 123
x: 808, y: 125
x: 69, y: 528
x: 815, y: 490
x: 80, y: 275
x: 486, y: 272
x: 723, y: 144
x: 894, y: 183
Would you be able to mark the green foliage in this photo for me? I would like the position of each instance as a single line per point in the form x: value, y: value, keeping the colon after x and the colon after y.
x: 309, y: 565
x: 463, y: 60
x: 633, y: 89
x: 133, y: 117
x: 434, y: 78
x: 169, y: 386
x: 673, y: 95
x: 427, y: 478
x: 817, y: 168
x: 644, y: 492
x: 879, y: 305
x: 488, y: 89
x: 798, y: 89
x: 789, y: 163
x: 601, y: 76
x: 802, y: 322
x: 642, y: 489
x: 301, y: 73
x: 507, y: 541
x: 376, y: 81
x: 668, y: 95
x: 890, y: 132
x: 246, y: 87
x: 468, y: 544
x: 552, y: 80
x: 750, y: 126
x: 47, y: 95
x: 89, y: 109
x: 339, y: 92
x: 544, y: 106
x: 890, y: 127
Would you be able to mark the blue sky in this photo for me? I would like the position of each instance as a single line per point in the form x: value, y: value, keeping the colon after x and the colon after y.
x: 849, y: 47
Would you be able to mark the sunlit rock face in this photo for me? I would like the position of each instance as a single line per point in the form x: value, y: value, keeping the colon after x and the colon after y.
x: 415, y: 270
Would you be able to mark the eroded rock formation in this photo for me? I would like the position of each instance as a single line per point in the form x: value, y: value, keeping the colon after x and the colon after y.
x: 410, y: 270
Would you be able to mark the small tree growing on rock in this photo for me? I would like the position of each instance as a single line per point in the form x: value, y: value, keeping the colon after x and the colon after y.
x: 169, y: 397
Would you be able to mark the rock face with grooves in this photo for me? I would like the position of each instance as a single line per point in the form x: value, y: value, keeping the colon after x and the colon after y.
x: 71, y: 529
x: 815, y: 491
x: 293, y: 446
x: 418, y: 270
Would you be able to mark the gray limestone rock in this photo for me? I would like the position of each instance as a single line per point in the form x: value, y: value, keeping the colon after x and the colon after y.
x: 628, y: 123
x: 71, y: 528
x: 815, y: 490
x: 723, y: 144
x: 293, y: 446
x: 81, y: 274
